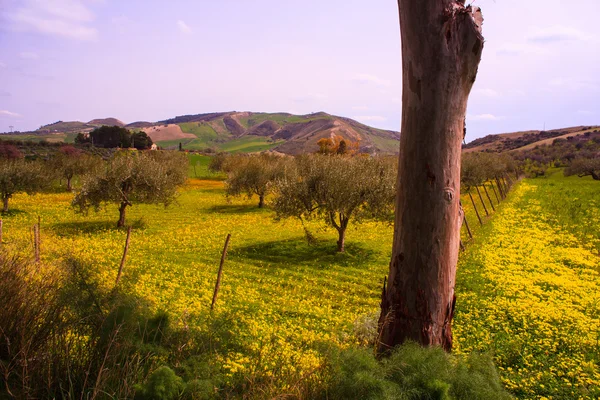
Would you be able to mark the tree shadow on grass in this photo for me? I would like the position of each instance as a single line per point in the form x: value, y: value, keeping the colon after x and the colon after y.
x: 236, y: 209
x: 65, y: 229
x: 298, y: 252
x: 12, y: 212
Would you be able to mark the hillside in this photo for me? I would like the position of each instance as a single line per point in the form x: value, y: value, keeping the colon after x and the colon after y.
x: 243, y: 132
x: 283, y: 132
x: 523, y: 140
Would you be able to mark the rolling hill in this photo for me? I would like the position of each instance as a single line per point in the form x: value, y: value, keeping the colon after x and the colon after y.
x: 524, y: 140
x: 245, y: 132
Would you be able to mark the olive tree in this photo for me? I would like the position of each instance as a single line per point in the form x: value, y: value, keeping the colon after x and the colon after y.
x: 584, y: 167
x: 252, y: 175
x: 337, y: 189
x: 70, y: 161
x: 129, y: 178
x: 19, y: 175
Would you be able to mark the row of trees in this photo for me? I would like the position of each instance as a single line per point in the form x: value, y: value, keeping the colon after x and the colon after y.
x: 124, y: 179
x: 334, y: 188
x: 115, y: 136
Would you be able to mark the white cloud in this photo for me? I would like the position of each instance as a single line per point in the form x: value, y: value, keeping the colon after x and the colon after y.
x: 520, y: 48
x: 369, y: 118
x: 183, y: 27
x: 29, y: 55
x: 484, y: 117
x: 65, y: 18
x: 486, y: 92
x: 10, y: 114
x: 371, y: 79
x: 573, y: 83
x: 556, y: 33
x: 585, y: 112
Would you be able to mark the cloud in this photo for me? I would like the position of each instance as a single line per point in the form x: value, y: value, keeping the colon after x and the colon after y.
x: 573, y: 83
x: 484, y: 117
x: 585, y: 112
x: 520, y: 48
x: 28, y: 55
x: 309, y: 97
x: 369, y: 118
x: 183, y: 27
x: 9, y: 114
x: 64, y: 18
x: 486, y: 92
x: 371, y: 79
x: 556, y: 33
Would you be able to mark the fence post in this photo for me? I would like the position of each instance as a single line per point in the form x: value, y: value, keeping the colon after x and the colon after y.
x: 218, y: 284
x: 482, y: 202
x: 488, y: 196
x: 124, y: 257
x: 475, y: 207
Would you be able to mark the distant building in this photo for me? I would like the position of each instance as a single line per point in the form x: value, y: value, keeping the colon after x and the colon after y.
x: 154, y: 147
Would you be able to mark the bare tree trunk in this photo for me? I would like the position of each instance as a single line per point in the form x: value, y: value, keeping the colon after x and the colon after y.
x: 69, y: 186
x: 441, y: 50
x: 122, y: 209
x: 261, y: 201
x: 5, y: 202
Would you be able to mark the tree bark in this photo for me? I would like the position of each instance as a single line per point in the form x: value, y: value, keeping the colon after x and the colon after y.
x: 122, y: 209
x: 261, y: 201
x: 441, y: 50
x: 341, y: 243
x: 595, y: 176
x: 5, y: 203
x: 69, y: 187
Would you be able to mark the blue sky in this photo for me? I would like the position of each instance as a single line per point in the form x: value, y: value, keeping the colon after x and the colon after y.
x: 151, y: 60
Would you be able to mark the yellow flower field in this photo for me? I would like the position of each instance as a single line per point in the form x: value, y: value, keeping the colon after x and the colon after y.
x: 527, y: 285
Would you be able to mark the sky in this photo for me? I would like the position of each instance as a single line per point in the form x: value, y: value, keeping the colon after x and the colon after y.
x: 148, y: 60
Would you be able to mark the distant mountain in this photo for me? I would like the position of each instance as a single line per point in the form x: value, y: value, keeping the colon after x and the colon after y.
x: 106, y: 121
x: 523, y: 140
x: 248, y: 132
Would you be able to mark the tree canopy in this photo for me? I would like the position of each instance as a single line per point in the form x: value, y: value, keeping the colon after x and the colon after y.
x: 115, y: 136
x: 584, y: 167
x: 337, y: 189
x: 252, y: 175
x: 70, y: 161
x: 130, y: 178
x: 19, y: 175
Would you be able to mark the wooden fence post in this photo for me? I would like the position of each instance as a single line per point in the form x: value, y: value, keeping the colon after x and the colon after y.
x: 482, y: 202
x: 124, y: 257
x: 488, y: 197
x: 36, y: 244
x: 218, y: 284
x: 500, y: 189
x: 467, y: 225
x: 0, y: 230
x: 475, y: 207
x: 494, y: 190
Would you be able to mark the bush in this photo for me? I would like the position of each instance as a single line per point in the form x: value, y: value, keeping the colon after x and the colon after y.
x: 413, y: 372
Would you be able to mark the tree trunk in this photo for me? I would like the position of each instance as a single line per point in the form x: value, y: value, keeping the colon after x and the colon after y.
x: 441, y: 50
x: 261, y: 201
x: 595, y: 176
x: 122, y: 209
x: 341, y: 243
x: 5, y: 201
x: 69, y: 187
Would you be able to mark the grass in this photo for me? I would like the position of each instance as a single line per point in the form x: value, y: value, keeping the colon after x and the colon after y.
x: 280, y: 118
x: 59, y: 137
x: 249, y: 144
x: 527, y: 286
